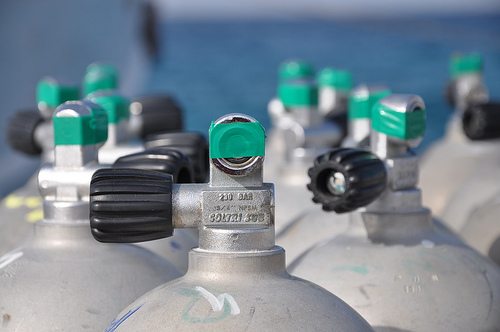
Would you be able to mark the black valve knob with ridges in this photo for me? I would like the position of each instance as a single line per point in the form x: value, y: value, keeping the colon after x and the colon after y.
x: 159, y: 113
x: 21, y: 132
x: 343, y: 180
x: 193, y: 145
x: 130, y: 205
x: 162, y: 159
x: 482, y: 121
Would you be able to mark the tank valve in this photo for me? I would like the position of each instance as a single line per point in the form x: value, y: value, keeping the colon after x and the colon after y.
x: 343, y: 180
x: 482, y: 121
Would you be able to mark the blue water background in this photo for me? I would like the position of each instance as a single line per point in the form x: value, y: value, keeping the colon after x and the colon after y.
x: 218, y: 67
x: 221, y: 67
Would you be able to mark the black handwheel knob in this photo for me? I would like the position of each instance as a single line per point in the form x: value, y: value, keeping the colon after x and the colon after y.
x: 161, y: 159
x: 482, y: 121
x: 343, y: 180
x: 130, y: 205
x: 192, y: 144
x: 158, y: 113
x: 21, y: 132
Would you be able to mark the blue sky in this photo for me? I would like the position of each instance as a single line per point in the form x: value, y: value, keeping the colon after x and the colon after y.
x: 192, y: 9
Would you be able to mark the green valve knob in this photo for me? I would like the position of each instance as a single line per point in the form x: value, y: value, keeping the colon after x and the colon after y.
x: 335, y: 78
x: 362, y: 100
x: 400, y: 116
x: 236, y: 140
x: 298, y: 94
x: 50, y: 93
x: 80, y: 123
x: 295, y: 70
x: 100, y: 77
x: 115, y: 105
x: 465, y: 64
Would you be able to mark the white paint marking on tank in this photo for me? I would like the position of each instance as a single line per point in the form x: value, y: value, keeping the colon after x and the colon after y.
x: 10, y: 257
x: 435, y: 277
x: 427, y: 244
x: 217, y: 302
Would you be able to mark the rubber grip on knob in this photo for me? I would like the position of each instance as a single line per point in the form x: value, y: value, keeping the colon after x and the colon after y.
x: 21, y: 132
x: 159, y: 113
x: 363, y: 177
x: 482, y: 121
x: 192, y: 144
x: 130, y: 205
x: 162, y: 159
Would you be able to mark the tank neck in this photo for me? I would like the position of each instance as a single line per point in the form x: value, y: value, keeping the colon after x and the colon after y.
x: 48, y: 233
x: 220, y: 265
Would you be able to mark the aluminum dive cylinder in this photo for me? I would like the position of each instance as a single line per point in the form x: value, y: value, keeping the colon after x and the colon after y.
x: 237, y: 278
x: 30, y: 132
x: 334, y: 89
x: 289, y: 71
x: 393, y: 265
x: 468, y: 209
x: 305, y: 136
x: 149, y: 114
x: 361, y: 102
x: 61, y: 279
x: 455, y: 157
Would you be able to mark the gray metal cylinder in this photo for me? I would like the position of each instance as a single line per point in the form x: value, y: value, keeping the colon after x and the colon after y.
x: 62, y: 280
x: 408, y: 285
x: 236, y: 292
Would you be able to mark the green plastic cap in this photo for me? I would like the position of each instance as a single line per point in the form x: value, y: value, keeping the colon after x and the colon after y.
x: 361, y: 103
x: 236, y: 140
x: 100, y: 77
x: 80, y: 123
x: 298, y: 94
x: 50, y: 93
x: 295, y: 70
x: 115, y: 105
x: 465, y: 64
x: 398, y: 121
x: 335, y: 78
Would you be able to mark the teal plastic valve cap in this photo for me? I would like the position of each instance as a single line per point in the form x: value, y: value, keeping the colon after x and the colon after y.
x: 361, y: 102
x: 236, y: 140
x: 80, y: 123
x: 295, y: 70
x: 115, y: 105
x: 298, y: 94
x: 335, y: 78
x: 400, y: 116
x: 50, y: 93
x: 465, y: 64
x: 100, y: 77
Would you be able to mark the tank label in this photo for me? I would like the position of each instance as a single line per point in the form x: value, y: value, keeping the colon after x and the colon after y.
x: 222, y: 208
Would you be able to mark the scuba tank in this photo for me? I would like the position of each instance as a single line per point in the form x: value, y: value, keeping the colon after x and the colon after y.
x: 313, y: 226
x: 393, y: 265
x: 147, y: 114
x: 334, y: 89
x: 305, y: 136
x: 236, y: 278
x: 361, y: 102
x: 31, y: 133
x: 453, y: 159
x: 289, y: 71
x: 471, y: 209
x: 61, y: 279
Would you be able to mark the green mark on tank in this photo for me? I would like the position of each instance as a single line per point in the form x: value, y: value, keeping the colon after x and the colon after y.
x: 358, y: 269
x: 194, y: 297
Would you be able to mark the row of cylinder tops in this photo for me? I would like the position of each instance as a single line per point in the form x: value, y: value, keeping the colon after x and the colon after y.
x: 191, y: 233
